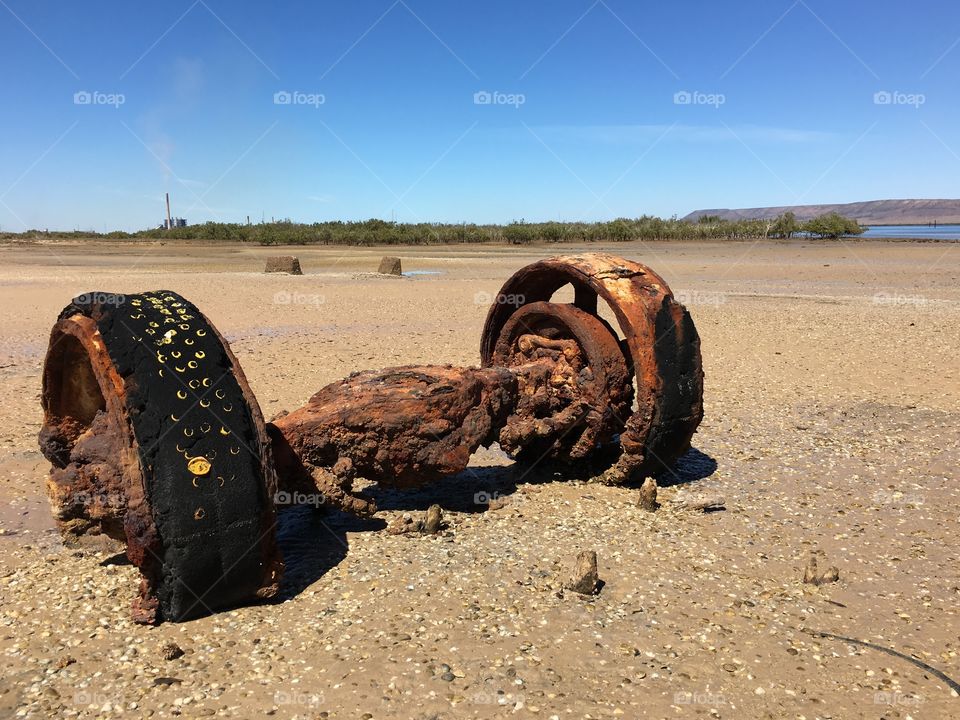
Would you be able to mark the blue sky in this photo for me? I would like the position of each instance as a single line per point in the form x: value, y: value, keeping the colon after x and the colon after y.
x: 594, y: 109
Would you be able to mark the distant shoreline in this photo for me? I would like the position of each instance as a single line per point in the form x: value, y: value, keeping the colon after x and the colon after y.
x: 909, y: 224
x: 212, y: 242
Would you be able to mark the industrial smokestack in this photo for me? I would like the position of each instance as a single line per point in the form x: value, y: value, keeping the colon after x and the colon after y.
x: 169, y: 219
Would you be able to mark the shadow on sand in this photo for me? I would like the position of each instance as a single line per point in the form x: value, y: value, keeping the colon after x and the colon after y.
x: 313, y: 542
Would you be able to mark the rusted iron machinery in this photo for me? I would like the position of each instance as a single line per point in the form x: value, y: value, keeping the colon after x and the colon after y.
x: 156, y: 440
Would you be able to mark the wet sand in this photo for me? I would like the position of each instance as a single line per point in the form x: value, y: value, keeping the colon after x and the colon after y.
x: 832, y: 426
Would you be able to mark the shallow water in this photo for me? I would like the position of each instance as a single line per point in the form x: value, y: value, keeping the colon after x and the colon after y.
x: 926, y: 232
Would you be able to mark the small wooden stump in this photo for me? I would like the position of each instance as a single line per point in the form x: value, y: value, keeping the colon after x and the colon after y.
x: 289, y: 264
x: 585, y: 579
x: 812, y: 576
x: 648, y: 495
x: 390, y: 265
x: 433, y: 520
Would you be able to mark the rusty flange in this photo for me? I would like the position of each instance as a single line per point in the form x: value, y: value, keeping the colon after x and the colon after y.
x: 157, y: 441
x: 660, y: 339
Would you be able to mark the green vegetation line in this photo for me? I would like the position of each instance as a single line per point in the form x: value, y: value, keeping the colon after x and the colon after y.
x: 381, y: 232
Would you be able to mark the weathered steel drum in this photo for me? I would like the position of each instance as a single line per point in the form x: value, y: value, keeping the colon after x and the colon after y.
x: 156, y: 440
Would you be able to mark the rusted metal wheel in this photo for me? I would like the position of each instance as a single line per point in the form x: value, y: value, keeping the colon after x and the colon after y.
x: 156, y: 441
x: 588, y: 372
x: 660, y: 341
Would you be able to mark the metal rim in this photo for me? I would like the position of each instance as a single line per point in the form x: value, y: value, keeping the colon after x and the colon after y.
x: 659, y: 334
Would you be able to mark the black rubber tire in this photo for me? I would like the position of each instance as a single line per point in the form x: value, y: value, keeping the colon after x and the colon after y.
x: 205, y: 463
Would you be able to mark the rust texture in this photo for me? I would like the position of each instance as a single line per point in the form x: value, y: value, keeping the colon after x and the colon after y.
x: 156, y: 441
x: 402, y: 426
x: 140, y: 455
x: 586, y: 393
x: 659, y: 338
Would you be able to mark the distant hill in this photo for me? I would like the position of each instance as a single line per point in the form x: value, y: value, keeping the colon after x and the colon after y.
x: 872, y: 212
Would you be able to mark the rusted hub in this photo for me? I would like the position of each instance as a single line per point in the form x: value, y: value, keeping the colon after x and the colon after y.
x: 579, y: 398
x: 155, y: 440
x: 660, y: 338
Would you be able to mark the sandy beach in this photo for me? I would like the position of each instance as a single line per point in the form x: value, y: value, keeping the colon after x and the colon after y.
x: 832, y: 427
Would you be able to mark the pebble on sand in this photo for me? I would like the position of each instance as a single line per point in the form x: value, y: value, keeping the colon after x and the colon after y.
x: 171, y: 651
